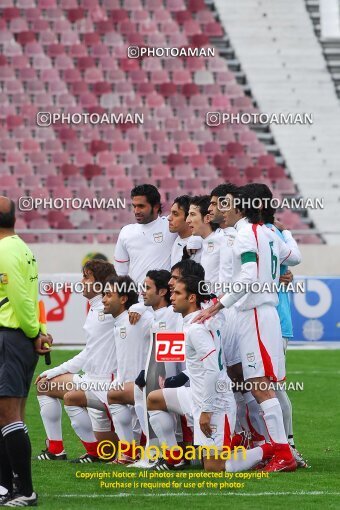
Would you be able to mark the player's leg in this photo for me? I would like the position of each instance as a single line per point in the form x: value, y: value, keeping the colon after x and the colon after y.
x: 120, y: 402
x: 260, y: 347
x: 122, y: 396
x: 49, y: 394
x: 75, y: 403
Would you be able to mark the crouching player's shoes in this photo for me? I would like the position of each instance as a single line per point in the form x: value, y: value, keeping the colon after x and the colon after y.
x: 18, y: 501
x: 282, y: 460
x: 86, y: 459
x: 164, y: 465
x: 124, y: 460
x: 301, y: 462
x: 46, y: 455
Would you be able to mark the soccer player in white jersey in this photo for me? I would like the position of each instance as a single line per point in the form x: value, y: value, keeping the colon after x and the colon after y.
x: 146, y: 244
x: 202, y: 400
x: 97, y: 359
x: 258, y: 253
x: 199, y: 221
x: 185, y: 245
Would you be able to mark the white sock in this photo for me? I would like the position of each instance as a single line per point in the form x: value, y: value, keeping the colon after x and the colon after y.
x: 241, y: 413
x: 122, y: 420
x: 81, y: 423
x: 287, y: 412
x: 272, y: 415
x: 50, y: 412
x: 140, y: 408
x: 255, y: 417
x: 245, y: 460
x: 163, y: 425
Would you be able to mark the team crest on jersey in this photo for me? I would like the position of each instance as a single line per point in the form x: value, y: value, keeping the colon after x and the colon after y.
x: 162, y: 325
x: 158, y: 237
x: 230, y: 241
x: 101, y: 316
x: 210, y: 248
x: 250, y: 357
x: 4, y: 278
x: 122, y: 333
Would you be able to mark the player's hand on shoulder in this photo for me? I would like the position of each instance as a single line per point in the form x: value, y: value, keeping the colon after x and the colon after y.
x: 134, y: 318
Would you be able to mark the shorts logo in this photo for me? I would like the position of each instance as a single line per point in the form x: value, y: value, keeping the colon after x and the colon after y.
x: 4, y: 278
x: 170, y: 346
x: 122, y: 333
x: 210, y: 248
x: 158, y: 237
x: 250, y: 357
x: 101, y: 316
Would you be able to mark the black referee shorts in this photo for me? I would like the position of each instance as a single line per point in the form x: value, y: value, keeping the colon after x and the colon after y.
x: 18, y: 360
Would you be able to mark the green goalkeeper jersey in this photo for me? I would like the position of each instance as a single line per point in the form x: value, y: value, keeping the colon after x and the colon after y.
x: 19, y: 307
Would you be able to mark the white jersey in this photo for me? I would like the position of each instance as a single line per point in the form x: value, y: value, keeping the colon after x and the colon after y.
x: 210, y: 258
x: 132, y: 344
x: 99, y: 355
x: 226, y: 255
x: 140, y: 248
x: 164, y: 319
x: 180, y: 244
x: 257, y: 255
x: 204, y: 360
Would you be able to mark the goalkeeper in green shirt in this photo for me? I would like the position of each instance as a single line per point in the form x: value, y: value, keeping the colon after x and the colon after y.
x: 20, y: 344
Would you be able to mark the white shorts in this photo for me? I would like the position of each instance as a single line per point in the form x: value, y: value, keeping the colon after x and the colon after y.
x: 260, y: 341
x: 99, y: 411
x: 229, y: 337
x: 179, y: 400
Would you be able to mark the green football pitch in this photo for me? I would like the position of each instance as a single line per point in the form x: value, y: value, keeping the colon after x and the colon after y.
x: 316, y: 430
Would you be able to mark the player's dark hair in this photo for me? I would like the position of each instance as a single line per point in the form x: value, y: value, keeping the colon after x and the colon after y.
x: 100, y: 256
x: 161, y: 279
x: 203, y: 203
x: 183, y: 203
x: 7, y: 219
x: 268, y: 211
x: 151, y: 193
x: 251, y: 203
x: 193, y: 286
x: 189, y: 268
x: 223, y: 189
x: 100, y: 269
x: 124, y: 286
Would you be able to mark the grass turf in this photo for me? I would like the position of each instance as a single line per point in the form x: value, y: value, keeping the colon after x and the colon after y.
x: 315, y: 431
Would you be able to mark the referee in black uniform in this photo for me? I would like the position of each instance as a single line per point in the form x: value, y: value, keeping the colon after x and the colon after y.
x: 20, y: 345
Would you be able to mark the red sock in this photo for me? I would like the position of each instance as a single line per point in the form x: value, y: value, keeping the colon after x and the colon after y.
x: 282, y: 450
x: 268, y: 450
x: 226, y: 439
x: 55, y: 446
x: 91, y: 448
x: 173, y: 457
x: 142, y: 439
x: 186, y: 431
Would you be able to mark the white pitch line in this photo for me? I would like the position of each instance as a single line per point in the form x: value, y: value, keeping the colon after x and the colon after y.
x: 195, y: 494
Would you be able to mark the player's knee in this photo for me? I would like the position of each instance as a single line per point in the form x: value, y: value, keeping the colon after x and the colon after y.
x: 152, y: 401
x: 214, y: 465
x: 70, y: 399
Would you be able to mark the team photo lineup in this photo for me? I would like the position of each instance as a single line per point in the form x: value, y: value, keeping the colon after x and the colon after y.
x: 169, y: 254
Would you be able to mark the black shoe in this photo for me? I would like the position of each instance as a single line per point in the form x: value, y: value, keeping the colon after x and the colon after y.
x: 17, y: 500
x: 46, y: 455
x: 163, y: 465
x: 85, y: 459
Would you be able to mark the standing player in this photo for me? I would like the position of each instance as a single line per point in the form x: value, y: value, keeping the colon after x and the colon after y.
x: 20, y: 344
x: 258, y: 252
x: 177, y: 224
x: 200, y: 224
x: 97, y: 360
x: 147, y: 243
x: 202, y: 400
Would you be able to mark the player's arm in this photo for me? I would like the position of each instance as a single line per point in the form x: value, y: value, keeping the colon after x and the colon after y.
x: 121, y: 258
x: 71, y: 366
x: 288, y: 250
x: 24, y: 306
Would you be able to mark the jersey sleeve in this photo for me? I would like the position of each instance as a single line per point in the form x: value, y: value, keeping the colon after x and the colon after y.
x: 288, y: 249
x: 121, y: 258
x: 24, y: 307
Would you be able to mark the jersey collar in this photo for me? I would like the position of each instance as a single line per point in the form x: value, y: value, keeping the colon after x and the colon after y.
x: 189, y: 318
x: 95, y: 301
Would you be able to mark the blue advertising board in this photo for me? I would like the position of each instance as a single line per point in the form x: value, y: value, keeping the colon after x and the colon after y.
x: 316, y: 312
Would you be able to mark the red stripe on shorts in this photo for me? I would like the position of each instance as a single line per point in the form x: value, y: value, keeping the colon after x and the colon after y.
x: 267, y: 362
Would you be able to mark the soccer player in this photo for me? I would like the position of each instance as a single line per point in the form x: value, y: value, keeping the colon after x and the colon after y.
x: 148, y: 242
x: 199, y: 221
x: 97, y: 360
x: 177, y: 224
x: 202, y: 400
x: 258, y: 252
x: 283, y: 309
x: 20, y: 344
